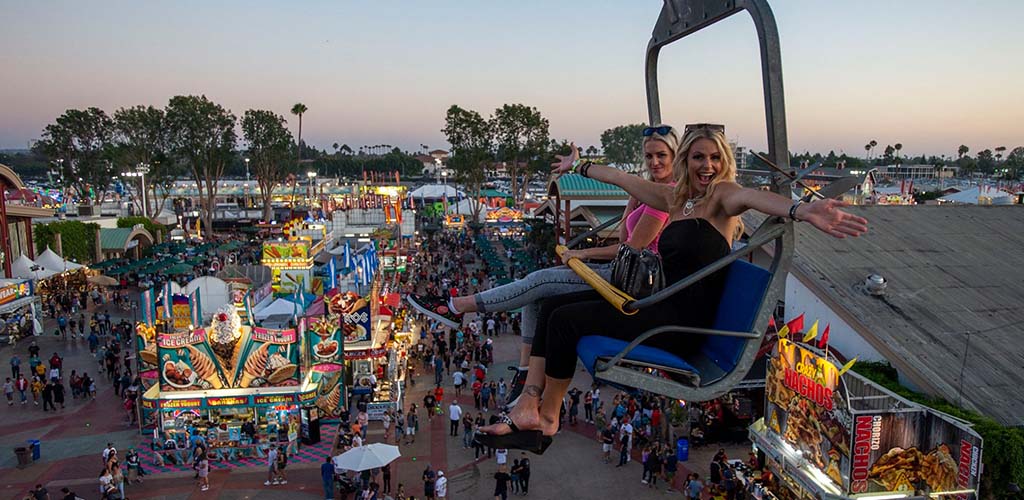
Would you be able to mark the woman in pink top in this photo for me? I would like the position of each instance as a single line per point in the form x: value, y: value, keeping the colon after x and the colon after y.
x: 641, y: 227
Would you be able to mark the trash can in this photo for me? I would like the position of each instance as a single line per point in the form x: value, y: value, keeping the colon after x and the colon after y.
x: 23, y: 456
x: 682, y: 450
x: 33, y: 445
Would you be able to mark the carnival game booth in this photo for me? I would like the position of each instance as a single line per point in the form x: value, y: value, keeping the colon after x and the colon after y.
x: 832, y: 434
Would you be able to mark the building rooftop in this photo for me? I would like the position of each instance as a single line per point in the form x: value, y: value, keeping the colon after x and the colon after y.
x: 952, y: 305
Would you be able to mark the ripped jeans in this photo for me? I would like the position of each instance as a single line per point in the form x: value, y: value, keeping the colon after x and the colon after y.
x: 530, y: 290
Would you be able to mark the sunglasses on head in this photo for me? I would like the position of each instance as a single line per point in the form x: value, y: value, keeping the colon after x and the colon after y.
x: 662, y: 130
x: 714, y: 127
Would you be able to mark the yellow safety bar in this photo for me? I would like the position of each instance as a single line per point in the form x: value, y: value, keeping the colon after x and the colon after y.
x: 613, y: 295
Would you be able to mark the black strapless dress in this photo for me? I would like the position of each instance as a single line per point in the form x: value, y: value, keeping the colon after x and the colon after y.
x: 686, y: 246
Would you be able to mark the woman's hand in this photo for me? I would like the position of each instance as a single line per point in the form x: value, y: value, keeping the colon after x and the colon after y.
x: 570, y: 254
x: 828, y: 218
x: 564, y: 163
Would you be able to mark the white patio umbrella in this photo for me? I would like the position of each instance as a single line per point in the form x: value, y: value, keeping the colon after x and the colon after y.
x: 367, y: 457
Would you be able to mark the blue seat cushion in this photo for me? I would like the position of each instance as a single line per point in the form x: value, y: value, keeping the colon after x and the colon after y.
x: 592, y: 347
x: 744, y: 291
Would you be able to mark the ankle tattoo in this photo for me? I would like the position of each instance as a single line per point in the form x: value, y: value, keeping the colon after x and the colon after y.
x: 532, y: 390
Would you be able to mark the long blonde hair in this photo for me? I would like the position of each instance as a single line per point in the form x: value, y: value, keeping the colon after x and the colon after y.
x: 727, y: 172
x: 671, y: 139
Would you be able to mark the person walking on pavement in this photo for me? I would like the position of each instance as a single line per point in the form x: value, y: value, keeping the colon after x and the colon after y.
x: 327, y: 476
x: 441, y: 486
x: 15, y: 366
x: 524, y: 474
x: 386, y: 478
x: 22, y: 385
x: 428, y: 483
x: 48, y: 396
x: 9, y: 391
x: 412, y: 424
x: 58, y: 393
x: 454, y: 417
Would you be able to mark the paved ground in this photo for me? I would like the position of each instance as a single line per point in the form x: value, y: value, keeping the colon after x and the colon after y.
x: 73, y: 438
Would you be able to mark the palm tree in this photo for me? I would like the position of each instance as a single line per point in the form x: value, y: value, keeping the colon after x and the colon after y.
x: 346, y: 150
x: 867, y: 149
x: 961, y: 151
x: 999, y: 152
x: 873, y: 143
x: 591, y: 151
x: 898, y: 146
x: 335, y: 146
x: 298, y: 109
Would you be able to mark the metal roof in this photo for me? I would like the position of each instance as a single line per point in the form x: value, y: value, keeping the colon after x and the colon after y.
x: 955, y: 286
x: 577, y: 187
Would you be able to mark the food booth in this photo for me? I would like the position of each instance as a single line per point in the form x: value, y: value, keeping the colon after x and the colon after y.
x: 211, y: 380
x: 827, y: 434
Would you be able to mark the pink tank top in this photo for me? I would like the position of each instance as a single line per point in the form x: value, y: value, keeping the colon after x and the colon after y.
x: 634, y: 218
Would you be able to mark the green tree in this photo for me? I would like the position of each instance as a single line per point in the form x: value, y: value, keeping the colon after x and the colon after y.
x: 986, y: 161
x: 520, y: 135
x: 140, y: 139
x: 201, y: 137
x: 471, y: 140
x: 269, y: 143
x: 961, y: 151
x: 887, y: 155
x: 82, y: 138
x: 78, y: 239
x: 299, y: 109
x: 624, y: 146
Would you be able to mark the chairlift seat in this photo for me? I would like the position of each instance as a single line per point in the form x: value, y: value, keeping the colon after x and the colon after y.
x: 746, y: 286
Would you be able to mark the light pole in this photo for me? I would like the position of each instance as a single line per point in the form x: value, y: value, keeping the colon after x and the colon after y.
x: 247, y: 204
x: 312, y: 189
x: 140, y: 171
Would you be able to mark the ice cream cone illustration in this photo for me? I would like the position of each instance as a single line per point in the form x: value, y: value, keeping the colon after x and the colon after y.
x: 224, y: 336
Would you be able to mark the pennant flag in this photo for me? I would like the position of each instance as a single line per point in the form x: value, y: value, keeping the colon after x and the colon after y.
x: 771, y: 321
x: 248, y: 309
x: 796, y: 324
x: 196, y: 307
x: 784, y: 331
x: 167, y: 300
x: 348, y: 255
x: 812, y: 333
x: 146, y: 302
x: 333, y: 270
x: 847, y: 366
x: 823, y: 342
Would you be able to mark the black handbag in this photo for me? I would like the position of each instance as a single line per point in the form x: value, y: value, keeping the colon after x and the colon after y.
x: 637, y: 272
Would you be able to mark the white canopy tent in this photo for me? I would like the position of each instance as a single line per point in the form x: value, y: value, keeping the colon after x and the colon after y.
x: 22, y: 268
x: 50, y: 260
x: 436, y: 192
x: 980, y: 195
x: 279, y: 307
x: 214, y: 293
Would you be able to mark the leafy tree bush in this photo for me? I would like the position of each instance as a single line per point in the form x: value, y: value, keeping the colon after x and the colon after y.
x: 150, y: 226
x: 78, y: 239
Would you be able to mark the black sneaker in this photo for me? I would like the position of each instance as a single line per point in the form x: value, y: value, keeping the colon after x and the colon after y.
x: 517, y: 384
x: 436, y: 308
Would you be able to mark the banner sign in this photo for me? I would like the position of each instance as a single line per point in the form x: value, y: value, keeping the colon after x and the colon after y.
x: 186, y: 362
x: 807, y: 408
x: 271, y: 359
x: 181, y: 312
x: 181, y: 403
x: 274, y: 399
x: 14, y: 291
x: 908, y: 451
x: 228, y: 401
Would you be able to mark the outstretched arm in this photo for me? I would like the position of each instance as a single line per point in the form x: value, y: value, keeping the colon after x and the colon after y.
x: 652, y: 194
x: 826, y: 215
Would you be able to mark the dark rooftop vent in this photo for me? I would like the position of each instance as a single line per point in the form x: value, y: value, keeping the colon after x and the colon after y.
x: 875, y: 285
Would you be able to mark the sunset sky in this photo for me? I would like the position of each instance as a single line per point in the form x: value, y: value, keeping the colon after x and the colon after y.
x: 930, y: 74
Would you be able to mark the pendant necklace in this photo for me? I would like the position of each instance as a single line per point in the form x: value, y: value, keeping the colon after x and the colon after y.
x: 691, y: 205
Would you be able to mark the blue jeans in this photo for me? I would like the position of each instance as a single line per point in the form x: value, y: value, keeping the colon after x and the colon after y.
x: 529, y: 291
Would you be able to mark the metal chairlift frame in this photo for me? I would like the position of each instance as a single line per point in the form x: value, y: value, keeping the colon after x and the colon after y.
x: 678, y: 19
